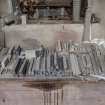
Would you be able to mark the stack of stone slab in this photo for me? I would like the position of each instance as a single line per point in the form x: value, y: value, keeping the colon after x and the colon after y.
x: 67, y: 60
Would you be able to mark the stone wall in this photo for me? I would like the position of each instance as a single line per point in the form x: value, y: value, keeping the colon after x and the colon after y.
x: 46, y: 34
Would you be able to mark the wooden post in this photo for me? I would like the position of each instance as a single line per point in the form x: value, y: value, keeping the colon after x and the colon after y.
x: 76, y: 10
x: 2, y: 35
x: 62, y: 12
x: 87, y: 24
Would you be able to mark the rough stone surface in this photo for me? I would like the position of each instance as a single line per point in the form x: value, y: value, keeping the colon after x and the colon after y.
x: 15, y: 93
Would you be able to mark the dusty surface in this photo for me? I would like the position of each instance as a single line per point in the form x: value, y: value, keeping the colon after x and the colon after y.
x: 45, y: 34
x: 15, y: 93
x: 26, y: 35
